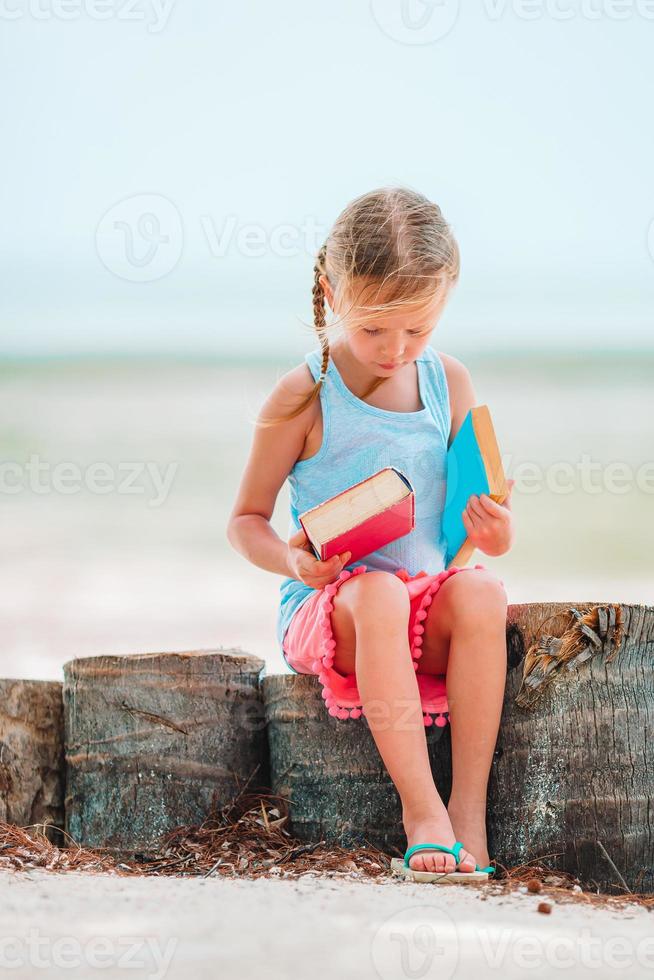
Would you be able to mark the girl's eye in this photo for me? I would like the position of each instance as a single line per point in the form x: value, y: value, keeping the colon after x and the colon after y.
x: 413, y: 333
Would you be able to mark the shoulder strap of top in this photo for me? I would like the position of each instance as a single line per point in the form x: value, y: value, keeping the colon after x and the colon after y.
x: 439, y: 371
x: 314, y: 360
x: 437, y: 391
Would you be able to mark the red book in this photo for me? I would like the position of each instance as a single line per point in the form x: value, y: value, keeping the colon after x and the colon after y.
x: 362, y: 518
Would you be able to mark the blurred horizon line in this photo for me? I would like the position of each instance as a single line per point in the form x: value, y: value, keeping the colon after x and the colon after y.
x: 251, y: 357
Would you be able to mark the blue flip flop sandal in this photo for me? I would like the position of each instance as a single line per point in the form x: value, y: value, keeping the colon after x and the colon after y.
x: 402, y: 867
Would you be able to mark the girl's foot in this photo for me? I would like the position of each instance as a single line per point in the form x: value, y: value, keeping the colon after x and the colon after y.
x: 436, y: 829
x: 470, y: 827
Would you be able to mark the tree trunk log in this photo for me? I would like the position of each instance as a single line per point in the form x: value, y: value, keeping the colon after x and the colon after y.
x: 331, y: 771
x: 573, y: 769
x: 156, y: 741
x: 31, y: 754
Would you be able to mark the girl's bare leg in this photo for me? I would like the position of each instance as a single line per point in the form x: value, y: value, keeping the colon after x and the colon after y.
x: 370, y: 625
x: 465, y: 637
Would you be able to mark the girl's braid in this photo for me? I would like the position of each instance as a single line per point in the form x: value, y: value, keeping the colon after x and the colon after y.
x: 319, y: 319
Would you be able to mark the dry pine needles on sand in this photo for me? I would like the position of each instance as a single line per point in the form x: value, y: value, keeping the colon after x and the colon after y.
x: 248, y: 839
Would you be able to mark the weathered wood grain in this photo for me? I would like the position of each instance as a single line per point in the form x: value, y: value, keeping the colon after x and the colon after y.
x: 154, y: 741
x: 31, y: 754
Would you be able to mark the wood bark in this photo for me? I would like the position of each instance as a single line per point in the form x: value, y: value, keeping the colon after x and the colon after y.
x: 573, y: 772
x: 156, y: 741
x: 572, y: 777
x: 31, y: 754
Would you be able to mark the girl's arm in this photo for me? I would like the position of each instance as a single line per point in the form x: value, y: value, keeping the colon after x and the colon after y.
x: 274, y: 451
x: 461, y: 391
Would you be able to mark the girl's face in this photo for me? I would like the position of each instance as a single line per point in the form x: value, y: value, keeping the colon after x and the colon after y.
x: 388, y: 341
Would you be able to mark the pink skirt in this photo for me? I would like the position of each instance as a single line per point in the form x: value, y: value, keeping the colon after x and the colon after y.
x: 309, y: 645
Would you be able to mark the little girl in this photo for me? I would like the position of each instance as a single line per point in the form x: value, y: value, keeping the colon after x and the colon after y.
x: 394, y: 637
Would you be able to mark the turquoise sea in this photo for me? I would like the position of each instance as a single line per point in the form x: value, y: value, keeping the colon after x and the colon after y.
x: 118, y: 475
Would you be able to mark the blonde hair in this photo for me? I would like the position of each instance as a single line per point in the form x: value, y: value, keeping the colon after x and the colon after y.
x: 392, y: 240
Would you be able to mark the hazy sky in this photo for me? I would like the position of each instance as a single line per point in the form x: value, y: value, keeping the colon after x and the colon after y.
x: 168, y: 170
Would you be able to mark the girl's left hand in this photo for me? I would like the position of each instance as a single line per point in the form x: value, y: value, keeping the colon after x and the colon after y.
x: 489, y: 525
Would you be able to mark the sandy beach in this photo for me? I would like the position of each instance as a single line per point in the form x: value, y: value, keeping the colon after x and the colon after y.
x: 82, y: 925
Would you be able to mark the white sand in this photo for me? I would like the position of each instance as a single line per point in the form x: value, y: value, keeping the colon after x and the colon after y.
x: 79, y: 925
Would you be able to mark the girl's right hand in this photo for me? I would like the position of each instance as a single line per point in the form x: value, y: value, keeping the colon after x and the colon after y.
x: 306, y: 568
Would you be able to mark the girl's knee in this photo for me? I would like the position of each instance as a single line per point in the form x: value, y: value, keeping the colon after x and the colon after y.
x: 382, y: 592
x: 380, y: 595
x: 476, y: 590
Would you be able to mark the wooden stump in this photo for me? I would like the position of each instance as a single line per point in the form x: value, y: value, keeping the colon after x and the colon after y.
x: 331, y: 771
x: 573, y: 768
x: 155, y: 741
x: 573, y: 772
x: 31, y: 754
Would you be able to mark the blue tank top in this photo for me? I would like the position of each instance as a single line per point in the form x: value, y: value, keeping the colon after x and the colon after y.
x: 358, y: 440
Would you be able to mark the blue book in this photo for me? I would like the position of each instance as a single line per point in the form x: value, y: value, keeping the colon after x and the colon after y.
x: 474, y: 466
